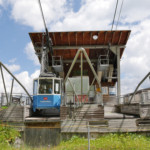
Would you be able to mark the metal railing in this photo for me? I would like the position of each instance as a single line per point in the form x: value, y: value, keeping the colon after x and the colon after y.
x: 2, y: 66
x: 141, y: 97
x: 19, y: 98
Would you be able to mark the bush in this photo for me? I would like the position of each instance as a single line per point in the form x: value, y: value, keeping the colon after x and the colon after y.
x: 8, y: 135
x: 4, y: 107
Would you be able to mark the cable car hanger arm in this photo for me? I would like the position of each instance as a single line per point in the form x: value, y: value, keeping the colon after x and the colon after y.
x: 48, y: 39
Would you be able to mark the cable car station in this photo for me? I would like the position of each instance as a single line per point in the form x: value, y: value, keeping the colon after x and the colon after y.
x: 78, y: 87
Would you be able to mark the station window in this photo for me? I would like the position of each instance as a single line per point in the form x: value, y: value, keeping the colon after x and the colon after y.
x: 57, y: 87
x: 35, y: 86
x: 45, y: 86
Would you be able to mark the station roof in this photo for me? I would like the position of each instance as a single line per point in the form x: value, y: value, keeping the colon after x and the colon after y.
x: 71, y: 41
x: 66, y: 44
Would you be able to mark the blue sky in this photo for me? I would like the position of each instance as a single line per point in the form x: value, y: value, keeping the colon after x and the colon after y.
x: 19, y: 17
x: 14, y: 37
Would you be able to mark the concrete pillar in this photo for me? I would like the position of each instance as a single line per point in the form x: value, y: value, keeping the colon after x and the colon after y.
x: 118, y: 75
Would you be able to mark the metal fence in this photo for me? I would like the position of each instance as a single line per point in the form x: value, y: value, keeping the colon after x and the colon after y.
x: 20, y: 98
x: 141, y: 97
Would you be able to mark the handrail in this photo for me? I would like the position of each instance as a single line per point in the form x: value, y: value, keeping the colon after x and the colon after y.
x: 138, y: 86
x: 1, y: 64
x: 73, y: 90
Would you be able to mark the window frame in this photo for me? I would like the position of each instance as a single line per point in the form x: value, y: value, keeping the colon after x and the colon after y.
x: 36, y: 87
x: 59, y: 86
x: 53, y: 79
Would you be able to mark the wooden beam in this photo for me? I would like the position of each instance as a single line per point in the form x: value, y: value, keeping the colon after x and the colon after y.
x: 69, y: 38
x: 61, y: 38
x: 112, y: 37
x: 76, y: 38
x: 120, y: 38
x: 105, y: 38
x: 83, y: 37
x: 91, y: 37
x: 54, y: 38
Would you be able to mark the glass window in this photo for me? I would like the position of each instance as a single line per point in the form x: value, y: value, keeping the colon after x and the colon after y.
x: 45, y: 86
x: 57, y: 87
x: 35, y: 85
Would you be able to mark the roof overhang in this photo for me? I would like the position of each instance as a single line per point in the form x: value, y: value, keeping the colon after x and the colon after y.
x: 66, y: 45
x: 73, y: 40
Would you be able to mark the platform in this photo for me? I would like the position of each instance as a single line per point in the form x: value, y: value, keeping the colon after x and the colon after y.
x: 100, y: 119
x: 42, y: 119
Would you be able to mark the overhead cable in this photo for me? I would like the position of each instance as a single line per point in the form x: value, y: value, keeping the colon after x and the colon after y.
x: 114, y: 15
x: 42, y: 14
x: 119, y: 14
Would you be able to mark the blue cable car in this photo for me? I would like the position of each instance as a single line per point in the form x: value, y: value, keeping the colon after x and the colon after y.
x: 46, y: 93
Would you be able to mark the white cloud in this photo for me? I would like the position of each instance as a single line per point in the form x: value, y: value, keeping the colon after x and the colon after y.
x: 13, y: 67
x: 135, y: 63
x: 26, y: 80
x: 27, y: 12
x: 134, y: 10
x: 94, y: 15
x: 1, y: 2
x: 59, y: 15
x: 13, y: 60
x: 7, y: 79
x: 29, y: 50
x: 23, y: 77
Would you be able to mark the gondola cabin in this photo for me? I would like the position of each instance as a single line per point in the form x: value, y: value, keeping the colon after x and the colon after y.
x: 46, y: 93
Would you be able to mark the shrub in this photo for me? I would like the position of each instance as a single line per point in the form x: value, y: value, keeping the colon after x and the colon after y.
x: 8, y: 134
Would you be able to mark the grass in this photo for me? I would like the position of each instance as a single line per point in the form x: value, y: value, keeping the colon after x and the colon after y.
x: 3, y: 107
x: 127, y: 141
x: 8, y: 136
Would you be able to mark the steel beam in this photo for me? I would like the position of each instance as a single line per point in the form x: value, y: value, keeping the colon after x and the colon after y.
x: 79, y: 61
x: 91, y: 86
x: 85, y: 46
x: 1, y: 64
x: 72, y: 65
x: 4, y: 83
x: 81, y: 54
x: 148, y: 75
x: 89, y: 62
x: 11, y: 90
x: 73, y: 90
x: 118, y: 75
x: 89, y: 89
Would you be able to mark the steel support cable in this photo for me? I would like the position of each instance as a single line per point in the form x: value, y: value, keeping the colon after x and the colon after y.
x: 119, y: 14
x: 42, y: 14
x: 49, y: 40
x: 114, y: 15
x: 109, y: 43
